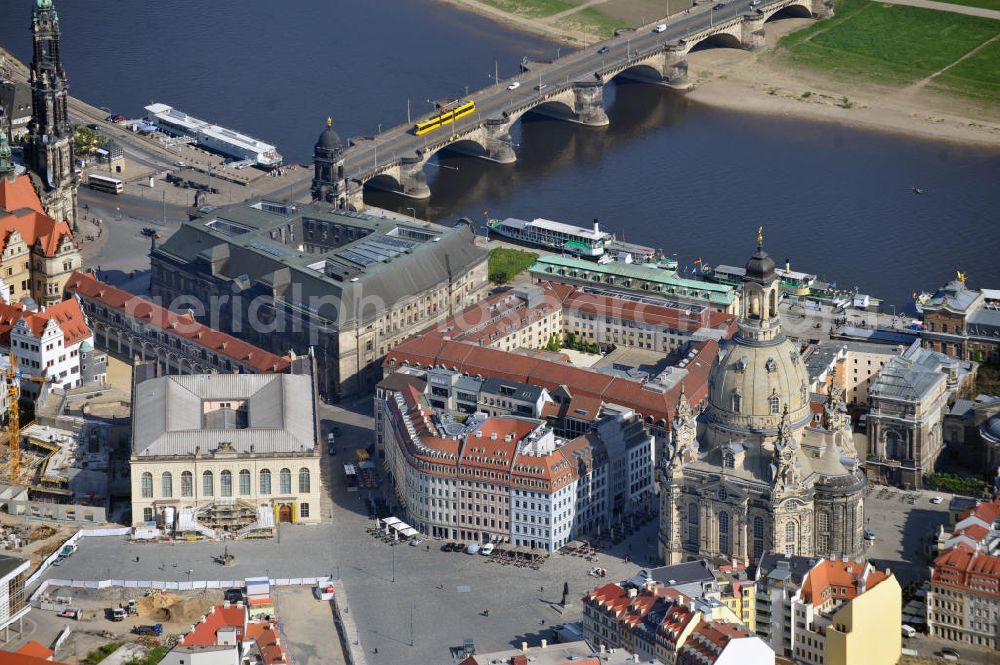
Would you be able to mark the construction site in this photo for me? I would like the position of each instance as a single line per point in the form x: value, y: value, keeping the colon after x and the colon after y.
x: 59, y: 451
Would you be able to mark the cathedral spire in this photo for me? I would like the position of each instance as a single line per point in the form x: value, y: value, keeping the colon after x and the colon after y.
x: 49, y: 150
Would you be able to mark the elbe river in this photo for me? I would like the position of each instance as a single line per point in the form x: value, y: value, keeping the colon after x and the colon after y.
x: 691, y: 180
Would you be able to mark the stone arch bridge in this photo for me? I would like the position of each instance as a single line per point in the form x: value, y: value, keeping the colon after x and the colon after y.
x: 570, y: 88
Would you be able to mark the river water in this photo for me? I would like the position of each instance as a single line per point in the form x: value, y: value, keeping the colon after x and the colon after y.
x: 691, y: 180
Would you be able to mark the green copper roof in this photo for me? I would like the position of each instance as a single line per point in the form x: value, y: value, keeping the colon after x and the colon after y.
x: 659, y: 280
x: 43, y: 4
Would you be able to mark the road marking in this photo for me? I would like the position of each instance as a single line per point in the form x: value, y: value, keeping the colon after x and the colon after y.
x: 463, y: 588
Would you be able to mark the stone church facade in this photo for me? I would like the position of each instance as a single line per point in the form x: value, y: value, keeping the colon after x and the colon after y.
x: 753, y: 473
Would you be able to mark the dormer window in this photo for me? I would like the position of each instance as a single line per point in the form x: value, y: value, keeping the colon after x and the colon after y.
x: 770, y: 365
x: 729, y: 462
x: 741, y: 364
x: 774, y: 403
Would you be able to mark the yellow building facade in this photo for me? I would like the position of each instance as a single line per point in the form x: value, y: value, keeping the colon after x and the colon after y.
x: 868, y: 628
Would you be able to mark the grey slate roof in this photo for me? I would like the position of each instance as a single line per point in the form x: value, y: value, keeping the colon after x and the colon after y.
x: 9, y: 564
x: 784, y: 566
x: 521, y: 391
x: 382, y: 260
x: 984, y: 322
x: 910, y: 376
x: 954, y: 295
x: 168, y: 420
x: 682, y: 573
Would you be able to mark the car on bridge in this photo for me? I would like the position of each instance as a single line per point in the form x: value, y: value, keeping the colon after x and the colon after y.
x: 514, y: 86
x: 719, y: 6
x: 603, y: 49
x: 660, y: 28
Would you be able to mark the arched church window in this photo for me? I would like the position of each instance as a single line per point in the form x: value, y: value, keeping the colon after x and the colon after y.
x: 790, y: 538
x: 774, y: 402
x: 737, y: 402
x: 728, y: 461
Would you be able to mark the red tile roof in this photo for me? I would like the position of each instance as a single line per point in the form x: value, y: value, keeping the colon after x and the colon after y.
x: 833, y: 579
x: 21, y: 211
x: 36, y: 649
x: 18, y: 194
x: 15, y: 658
x: 219, y: 617
x: 66, y: 314
x: 268, y: 642
x: 180, y: 325
x: 968, y: 570
x: 708, y: 641
x: 428, y: 351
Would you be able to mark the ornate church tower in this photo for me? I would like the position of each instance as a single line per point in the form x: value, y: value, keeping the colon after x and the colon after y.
x: 50, y: 136
x: 329, y: 183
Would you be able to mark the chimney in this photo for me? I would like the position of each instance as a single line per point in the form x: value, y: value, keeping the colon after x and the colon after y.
x: 524, y: 647
x: 633, y: 592
x: 597, y: 227
x: 788, y: 265
x: 545, y: 643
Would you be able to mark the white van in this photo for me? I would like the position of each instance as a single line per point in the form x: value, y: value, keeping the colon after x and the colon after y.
x: 660, y: 28
x: 909, y: 631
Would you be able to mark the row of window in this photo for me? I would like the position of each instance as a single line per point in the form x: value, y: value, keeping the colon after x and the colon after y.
x: 225, y: 483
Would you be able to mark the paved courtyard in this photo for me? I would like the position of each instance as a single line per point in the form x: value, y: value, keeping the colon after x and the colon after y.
x: 903, y: 529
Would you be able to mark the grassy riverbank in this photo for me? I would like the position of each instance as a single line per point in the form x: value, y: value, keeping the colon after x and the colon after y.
x: 902, y: 46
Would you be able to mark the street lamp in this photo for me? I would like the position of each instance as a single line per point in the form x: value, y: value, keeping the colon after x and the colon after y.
x: 413, y: 214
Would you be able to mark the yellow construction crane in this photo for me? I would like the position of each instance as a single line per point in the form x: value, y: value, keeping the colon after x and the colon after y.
x: 14, y: 378
x: 13, y: 421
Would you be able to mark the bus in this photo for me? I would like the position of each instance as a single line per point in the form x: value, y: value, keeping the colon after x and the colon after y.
x: 104, y: 184
x: 448, y: 114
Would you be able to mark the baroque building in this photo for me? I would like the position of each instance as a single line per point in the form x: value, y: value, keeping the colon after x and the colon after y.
x: 749, y: 474
x: 50, y: 135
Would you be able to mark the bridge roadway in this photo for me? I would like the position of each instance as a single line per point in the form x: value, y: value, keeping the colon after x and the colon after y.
x: 571, y: 88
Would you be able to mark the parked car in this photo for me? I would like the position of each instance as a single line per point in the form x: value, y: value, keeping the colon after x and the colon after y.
x: 71, y: 613
x: 487, y: 549
x: 149, y: 629
x: 115, y: 614
x: 415, y: 542
x: 936, y: 500
x: 869, y: 534
x: 541, y: 86
x: 603, y: 49
x: 514, y: 86
x: 447, y: 547
x: 233, y: 595
x: 908, y: 631
x: 472, y: 548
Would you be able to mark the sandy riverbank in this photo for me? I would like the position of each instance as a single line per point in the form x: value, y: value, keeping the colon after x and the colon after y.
x: 763, y: 83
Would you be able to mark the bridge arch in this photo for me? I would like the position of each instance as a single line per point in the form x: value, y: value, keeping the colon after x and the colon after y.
x: 385, y: 182
x: 639, y: 72
x: 553, y: 108
x: 466, y: 145
x: 796, y: 10
x: 717, y: 40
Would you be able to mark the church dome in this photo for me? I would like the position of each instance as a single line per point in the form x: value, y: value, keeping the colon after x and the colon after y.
x: 760, y: 374
x: 751, y: 386
x: 328, y: 139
